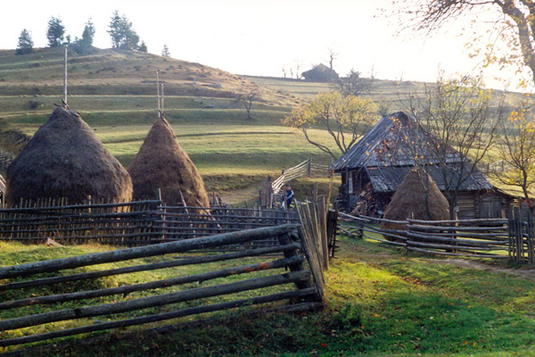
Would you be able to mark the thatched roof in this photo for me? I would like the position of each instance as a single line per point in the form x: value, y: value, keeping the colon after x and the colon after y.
x: 417, y: 197
x: 387, y: 153
x: 162, y: 163
x: 392, y: 142
x: 65, y: 159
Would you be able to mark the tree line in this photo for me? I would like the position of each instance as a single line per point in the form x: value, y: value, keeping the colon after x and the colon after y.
x: 121, y: 31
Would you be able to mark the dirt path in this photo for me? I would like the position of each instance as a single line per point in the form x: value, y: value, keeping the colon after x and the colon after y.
x: 525, y: 272
x: 354, y: 250
x: 239, y: 196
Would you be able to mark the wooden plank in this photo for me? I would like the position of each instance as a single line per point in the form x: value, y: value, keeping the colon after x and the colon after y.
x: 148, y: 251
x: 159, y: 317
x: 50, y: 299
x: 143, y: 303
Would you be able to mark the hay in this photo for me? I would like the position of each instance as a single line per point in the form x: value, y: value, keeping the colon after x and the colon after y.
x: 162, y: 164
x: 65, y: 159
x: 409, y: 201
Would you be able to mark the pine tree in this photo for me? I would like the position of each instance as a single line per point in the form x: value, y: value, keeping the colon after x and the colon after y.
x: 25, y: 44
x: 121, y: 33
x: 83, y: 45
x: 165, y: 51
x: 142, y: 47
x: 55, y: 32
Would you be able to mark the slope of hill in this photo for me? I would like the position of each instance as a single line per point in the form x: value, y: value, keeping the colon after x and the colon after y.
x: 117, y: 72
x: 115, y: 92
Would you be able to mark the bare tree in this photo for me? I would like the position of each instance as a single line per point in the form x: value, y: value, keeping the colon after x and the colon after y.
x: 284, y: 74
x: 461, y: 121
x: 516, y: 149
x: 293, y: 69
x: 296, y: 69
x: 514, y: 26
x: 332, y: 56
x: 247, y: 101
x: 352, y: 84
x: 344, y: 118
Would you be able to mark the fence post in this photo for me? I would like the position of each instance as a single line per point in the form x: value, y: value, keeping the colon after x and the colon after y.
x: 309, y: 167
x: 529, y: 237
x: 286, y: 239
x: 162, y: 214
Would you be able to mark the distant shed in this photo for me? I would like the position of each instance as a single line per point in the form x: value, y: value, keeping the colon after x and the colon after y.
x: 320, y: 73
x: 373, y: 169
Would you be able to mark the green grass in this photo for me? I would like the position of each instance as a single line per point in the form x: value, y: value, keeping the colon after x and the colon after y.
x: 382, y: 302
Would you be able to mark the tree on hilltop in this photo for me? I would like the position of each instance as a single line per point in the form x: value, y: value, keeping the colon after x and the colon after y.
x: 83, y: 45
x: 25, y: 44
x: 55, y: 32
x: 352, y: 84
x: 122, y: 34
x: 142, y: 47
x: 165, y: 51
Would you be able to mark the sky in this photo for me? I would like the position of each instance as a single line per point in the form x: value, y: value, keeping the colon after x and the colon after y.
x: 260, y: 37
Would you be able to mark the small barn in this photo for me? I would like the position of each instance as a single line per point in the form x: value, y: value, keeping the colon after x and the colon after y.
x: 320, y: 73
x: 65, y: 160
x: 374, y: 168
x: 161, y: 163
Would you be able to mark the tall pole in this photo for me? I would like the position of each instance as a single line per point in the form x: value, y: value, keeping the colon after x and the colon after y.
x: 158, y: 91
x: 65, y: 79
x: 162, y: 98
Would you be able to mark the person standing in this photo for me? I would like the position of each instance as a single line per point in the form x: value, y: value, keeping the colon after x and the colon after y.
x: 288, y: 197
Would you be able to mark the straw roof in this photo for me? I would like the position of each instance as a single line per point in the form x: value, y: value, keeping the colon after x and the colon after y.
x: 65, y: 159
x: 162, y: 164
x: 417, y: 197
x: 388, y: 152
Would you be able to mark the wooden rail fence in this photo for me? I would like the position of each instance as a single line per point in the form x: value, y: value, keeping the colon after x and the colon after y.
x: 486, y: 238
x: 306, y: 168
x: 292, y: 282
x: 132, y: 223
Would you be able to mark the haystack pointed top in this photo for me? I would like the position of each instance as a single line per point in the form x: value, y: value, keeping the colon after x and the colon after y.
x: 65, y: 159
x: 161, y: 163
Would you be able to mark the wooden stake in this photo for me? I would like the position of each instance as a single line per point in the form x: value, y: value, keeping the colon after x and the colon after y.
x: 64, y: 99
x: 158, y: 92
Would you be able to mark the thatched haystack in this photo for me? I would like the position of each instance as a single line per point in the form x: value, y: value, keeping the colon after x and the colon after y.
x: 162, y: 164
x: 65, y: 159
x: 417, y: 197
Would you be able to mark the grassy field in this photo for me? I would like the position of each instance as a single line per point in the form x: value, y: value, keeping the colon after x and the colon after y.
x: 382, y: 302
x: 114, y: 91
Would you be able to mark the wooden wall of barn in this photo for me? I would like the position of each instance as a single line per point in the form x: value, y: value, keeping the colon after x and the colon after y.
x: 481, y: 204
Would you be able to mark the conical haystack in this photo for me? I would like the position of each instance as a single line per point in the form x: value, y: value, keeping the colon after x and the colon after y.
x: 417, y: 197
x: 162, y: 164
x: 65, y: 159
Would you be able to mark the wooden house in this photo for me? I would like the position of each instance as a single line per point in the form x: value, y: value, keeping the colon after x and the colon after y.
x: 374, y: 167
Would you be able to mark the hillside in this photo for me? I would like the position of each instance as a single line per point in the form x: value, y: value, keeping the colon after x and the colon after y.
x: 115, y: 92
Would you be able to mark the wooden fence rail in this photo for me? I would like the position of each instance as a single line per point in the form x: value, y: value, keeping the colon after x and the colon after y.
x: 137, y: 298
x: 487, y: 238
x: 305, y: 168
x: 132, y: 223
